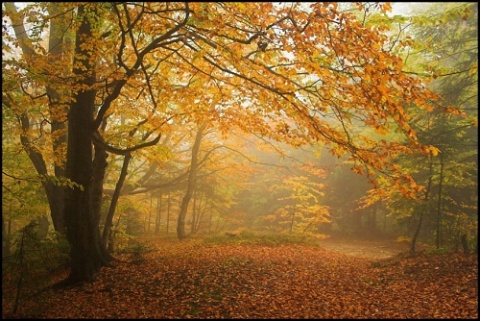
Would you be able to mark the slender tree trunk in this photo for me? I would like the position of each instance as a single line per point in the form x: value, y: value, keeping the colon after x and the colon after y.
x: 181, y: 234
x: 415, y: 235
x: 6, y: 237
x: 107, y: 230
x: 476, y: 243
x: 200, y: 215
x: 385, y: 222
x: 310, y: 224
x: 293, y: 219
x: 168, y: 213
x: 158, y: 218
x: 194, y: 212
x: 373, y: 218
x: 439, y: 205
x: 211, y: 218
x: 99, y: 168
x: 150, y: 211
x: 217, y: 228
x: 466, y: 248
x: 424, y: 207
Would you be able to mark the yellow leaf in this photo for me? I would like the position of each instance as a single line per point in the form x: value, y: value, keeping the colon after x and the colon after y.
x: 433, y: 150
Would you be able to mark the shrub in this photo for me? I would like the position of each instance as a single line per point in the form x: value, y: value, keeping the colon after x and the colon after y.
x: 32, y: 266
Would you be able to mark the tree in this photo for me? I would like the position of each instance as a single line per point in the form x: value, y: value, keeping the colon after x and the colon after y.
x: 454, y: 66
x: 445, y: 50
x: 192, y: 176
x: 299, y: 73
x: 300, y: 200
x: 38, y: 62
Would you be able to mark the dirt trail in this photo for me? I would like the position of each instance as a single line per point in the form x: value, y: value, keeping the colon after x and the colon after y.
x: 364, y: 249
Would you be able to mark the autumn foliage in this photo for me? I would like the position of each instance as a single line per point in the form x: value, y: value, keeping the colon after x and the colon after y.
x: 207, y: 280
x: 298, y: 73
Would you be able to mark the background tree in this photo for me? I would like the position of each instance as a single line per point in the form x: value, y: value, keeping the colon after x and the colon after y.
x: 45, y: 65
x: 300, y: 201
x: 448, y: 209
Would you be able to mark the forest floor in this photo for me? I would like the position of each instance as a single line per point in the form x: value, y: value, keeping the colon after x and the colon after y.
x: 364, y: 249
x: 192, y: 279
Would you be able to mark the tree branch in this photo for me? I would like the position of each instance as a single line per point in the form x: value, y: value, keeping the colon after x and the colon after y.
x: 98, y: 140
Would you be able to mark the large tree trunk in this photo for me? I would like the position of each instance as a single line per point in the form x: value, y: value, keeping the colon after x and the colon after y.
x: 181, y: 234
x: 56, y: 201
x: 82, y: 230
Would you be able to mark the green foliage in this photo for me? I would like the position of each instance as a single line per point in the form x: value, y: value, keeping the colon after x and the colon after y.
x: 121, y: 239
x: 61, y: 181
x: 137, y: 251
x: 22, y: 194
x: 440, y: 251
x: 446, y: 48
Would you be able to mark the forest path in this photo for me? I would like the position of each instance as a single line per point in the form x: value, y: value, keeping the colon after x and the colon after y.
x: 364, y: 249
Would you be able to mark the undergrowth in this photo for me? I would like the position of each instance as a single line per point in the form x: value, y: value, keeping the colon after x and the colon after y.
x: 258, y: 238
x: 31, y: 267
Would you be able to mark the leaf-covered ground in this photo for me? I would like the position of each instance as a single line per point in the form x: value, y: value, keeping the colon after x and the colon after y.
x: 198, y: 280
x: 365, y: 249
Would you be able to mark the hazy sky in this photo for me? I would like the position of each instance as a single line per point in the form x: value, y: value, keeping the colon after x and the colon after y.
x: 407, y: 7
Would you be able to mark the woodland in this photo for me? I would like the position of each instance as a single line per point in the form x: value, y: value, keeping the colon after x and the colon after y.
x: 239, y: 160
